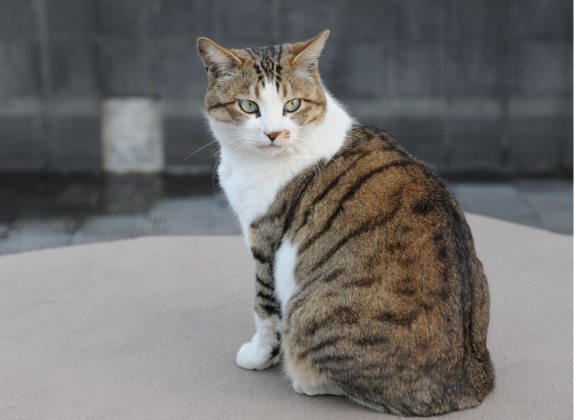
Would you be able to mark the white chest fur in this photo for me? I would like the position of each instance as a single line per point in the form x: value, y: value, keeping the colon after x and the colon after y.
x: 251, y: 182
x: 251, y: 189
x: 285, y: 285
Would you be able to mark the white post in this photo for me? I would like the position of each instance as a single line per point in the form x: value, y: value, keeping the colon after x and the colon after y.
x: 132, y: 138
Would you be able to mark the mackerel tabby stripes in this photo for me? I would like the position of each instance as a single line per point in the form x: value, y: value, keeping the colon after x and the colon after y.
x: 348, y: 196
x: 326, y: 190
x: 268, y: 285
x: 258, y: 255
x: 391, y: 303
x: 267, y: 61
x: 360, y: 230
x: 266, y: 305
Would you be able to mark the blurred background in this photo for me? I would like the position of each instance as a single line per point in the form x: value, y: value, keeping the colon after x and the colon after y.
x: 101, y: 128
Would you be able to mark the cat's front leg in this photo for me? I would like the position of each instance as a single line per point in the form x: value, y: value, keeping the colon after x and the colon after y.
x: 263, y: 349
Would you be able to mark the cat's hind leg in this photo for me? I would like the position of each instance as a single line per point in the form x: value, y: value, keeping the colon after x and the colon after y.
x: 321, y: 387
x: 305, y: 378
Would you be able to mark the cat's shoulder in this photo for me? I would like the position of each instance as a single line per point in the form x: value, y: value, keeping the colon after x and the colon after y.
x: 386, y: 151
x: 372, y: 138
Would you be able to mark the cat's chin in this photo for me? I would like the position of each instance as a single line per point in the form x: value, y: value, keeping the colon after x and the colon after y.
x: 271, y: 150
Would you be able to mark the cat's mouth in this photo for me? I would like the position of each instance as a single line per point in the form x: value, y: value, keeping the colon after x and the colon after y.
x: 272, y: 149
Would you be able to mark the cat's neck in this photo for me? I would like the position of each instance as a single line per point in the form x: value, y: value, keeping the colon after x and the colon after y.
x: 251, y: 182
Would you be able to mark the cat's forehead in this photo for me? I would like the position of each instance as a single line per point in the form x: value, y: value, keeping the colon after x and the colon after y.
x: 267, y: 55
x: 267, y: 61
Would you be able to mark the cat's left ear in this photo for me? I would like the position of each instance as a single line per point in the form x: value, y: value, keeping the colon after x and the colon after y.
x: 307, y: 53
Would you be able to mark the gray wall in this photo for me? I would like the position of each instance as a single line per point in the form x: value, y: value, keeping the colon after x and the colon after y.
x: 481, y: 85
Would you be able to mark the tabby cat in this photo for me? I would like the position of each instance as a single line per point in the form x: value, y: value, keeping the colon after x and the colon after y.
x: 367, y: 282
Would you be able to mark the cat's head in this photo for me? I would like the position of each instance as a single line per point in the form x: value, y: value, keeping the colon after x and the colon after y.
x: 263, y: 100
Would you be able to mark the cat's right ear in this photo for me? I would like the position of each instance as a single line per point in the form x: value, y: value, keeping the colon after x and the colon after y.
x: 215, y: 57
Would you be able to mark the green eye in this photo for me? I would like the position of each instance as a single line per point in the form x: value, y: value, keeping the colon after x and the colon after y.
x: 248, y: 106
x: 292, y: 105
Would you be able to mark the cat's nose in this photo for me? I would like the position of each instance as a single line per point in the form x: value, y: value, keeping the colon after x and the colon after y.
x: 273, y: 135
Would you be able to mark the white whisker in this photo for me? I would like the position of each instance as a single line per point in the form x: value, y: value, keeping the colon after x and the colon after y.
x: 198, y: 150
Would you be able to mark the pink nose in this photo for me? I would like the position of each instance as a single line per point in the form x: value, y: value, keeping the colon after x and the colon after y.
x: 273, y: 135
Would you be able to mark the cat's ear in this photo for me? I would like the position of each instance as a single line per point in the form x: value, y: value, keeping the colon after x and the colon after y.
x: 307, y: 52
x: 215, y: 57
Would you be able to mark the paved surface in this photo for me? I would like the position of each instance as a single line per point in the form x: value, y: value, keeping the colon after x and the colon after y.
x: 152, y: 333
x: 38, y: 213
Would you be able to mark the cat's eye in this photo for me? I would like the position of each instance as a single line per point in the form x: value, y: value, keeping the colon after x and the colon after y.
x: 248, y: 106
x: 292, y: 105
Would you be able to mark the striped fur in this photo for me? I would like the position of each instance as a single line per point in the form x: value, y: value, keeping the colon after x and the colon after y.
x: 389, y: 302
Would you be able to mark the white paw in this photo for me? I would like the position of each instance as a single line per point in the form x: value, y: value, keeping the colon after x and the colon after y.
x: 253, y: 356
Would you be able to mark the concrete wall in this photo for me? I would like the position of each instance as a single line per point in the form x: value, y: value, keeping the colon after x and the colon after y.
x: 482, y: 85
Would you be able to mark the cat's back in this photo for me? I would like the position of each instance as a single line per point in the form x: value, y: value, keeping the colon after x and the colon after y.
x: 392, y: 301
x: 372, y: 184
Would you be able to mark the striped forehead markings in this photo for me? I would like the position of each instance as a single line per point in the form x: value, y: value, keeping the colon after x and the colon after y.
x: 266, y: 63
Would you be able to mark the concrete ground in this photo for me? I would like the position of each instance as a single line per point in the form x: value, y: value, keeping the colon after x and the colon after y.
x: 38, y: 213
x: 152, y: 332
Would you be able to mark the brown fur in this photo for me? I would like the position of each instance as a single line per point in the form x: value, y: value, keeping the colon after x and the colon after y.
x: 392, y: 302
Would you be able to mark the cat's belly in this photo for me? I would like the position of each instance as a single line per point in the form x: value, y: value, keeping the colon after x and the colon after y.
x: 285, y: 261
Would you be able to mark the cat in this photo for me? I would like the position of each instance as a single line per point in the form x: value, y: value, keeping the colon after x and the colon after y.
x: 367, y: 282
